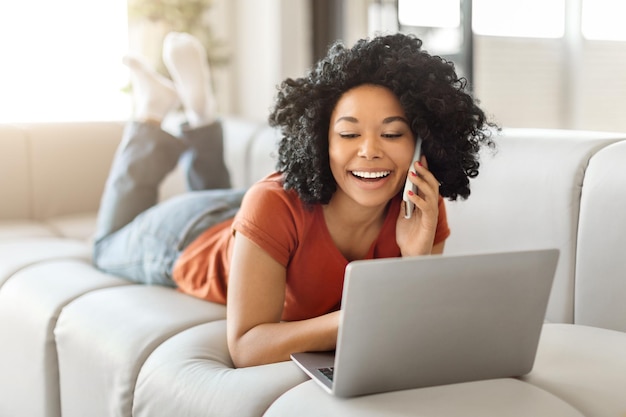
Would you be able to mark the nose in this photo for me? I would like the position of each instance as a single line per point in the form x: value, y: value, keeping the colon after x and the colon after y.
x: 369, y: 147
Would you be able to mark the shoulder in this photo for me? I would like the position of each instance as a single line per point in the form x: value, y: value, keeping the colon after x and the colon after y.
x: 273, y: 218
x: 268, y: 203
x: 273, y: 181
x: 270, y: 191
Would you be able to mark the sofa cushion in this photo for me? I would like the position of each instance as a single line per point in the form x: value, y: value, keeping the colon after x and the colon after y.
x: 76, y: 226
x: 22, y: 252
x: 495, y: 397
x: 239, y: 136
x: 30, y: 303
x: 18, y: 229
x: 263, y: 154
x: 192, y: 374
x: 104, y: 337
x: 584, y: 366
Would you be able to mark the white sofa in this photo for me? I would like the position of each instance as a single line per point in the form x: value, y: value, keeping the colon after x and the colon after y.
x: 75, y: 342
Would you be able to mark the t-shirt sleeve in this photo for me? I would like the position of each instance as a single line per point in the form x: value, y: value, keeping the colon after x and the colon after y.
x: 269, y: 218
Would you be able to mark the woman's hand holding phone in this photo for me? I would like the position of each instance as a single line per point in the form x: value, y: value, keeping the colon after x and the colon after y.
x: 417, y: 222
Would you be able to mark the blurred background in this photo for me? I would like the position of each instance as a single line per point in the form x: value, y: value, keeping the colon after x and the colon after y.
x: 531, y: 63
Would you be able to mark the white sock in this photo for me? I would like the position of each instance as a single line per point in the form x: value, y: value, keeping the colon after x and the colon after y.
x: 186, y: 60
x: 154, y: 96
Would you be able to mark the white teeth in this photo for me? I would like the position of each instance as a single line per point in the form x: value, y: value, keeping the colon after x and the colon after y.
x: 365, y: 174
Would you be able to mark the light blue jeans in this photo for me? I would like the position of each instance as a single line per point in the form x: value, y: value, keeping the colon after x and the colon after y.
x: 138, y: 238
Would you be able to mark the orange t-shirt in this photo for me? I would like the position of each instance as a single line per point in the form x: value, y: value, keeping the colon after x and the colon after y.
x: 295, y: 236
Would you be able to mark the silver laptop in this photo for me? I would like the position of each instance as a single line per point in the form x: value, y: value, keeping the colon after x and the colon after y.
x: 416, y: 322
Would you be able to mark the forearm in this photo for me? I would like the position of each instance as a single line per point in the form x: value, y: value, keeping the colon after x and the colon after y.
x: 274, y: 342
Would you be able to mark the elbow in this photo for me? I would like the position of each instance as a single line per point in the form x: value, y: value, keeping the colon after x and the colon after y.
x: 242, y: 353
x: 243, y: 357
x: 237, y: 355
x: 239, y: 359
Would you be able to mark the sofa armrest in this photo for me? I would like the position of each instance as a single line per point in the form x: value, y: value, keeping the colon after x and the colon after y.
x: 527, y: 196
x: 600, y: 264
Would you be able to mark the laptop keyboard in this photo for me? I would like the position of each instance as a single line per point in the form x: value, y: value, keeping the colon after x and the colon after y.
x: 327, y: 372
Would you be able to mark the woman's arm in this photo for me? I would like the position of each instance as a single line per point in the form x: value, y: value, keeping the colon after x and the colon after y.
x: 256, y: 295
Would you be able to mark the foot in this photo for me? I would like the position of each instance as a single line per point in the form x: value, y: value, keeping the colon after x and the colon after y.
x: 154, y: 96
x: 186, y: 60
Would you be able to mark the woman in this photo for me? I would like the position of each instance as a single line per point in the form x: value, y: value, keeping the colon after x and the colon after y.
x: 349, y: 129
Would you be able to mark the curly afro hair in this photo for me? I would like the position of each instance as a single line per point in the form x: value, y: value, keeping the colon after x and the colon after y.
x: 452, y: 126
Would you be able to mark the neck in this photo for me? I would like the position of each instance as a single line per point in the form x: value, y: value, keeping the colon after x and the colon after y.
x: 352, y: 227
x: 350, y: 215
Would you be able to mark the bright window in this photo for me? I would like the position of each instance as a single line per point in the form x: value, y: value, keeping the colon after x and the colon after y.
x: 428, y: 13
x: 604, y: 20
x: 527, y: 18
x: 61, y: 60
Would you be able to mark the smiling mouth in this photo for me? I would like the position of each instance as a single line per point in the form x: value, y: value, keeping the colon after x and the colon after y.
x: 370, y: 176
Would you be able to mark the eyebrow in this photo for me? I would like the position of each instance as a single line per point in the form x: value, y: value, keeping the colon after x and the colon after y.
x: 386, y: 120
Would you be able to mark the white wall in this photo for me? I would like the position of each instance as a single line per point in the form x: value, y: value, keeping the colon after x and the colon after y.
x: 270, y: 40
x: 602, y: 86
x: 519, y: 80
x: 537, y: 83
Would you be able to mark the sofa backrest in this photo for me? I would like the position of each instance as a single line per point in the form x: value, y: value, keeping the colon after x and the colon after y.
x: 51, y: 170
x: 527, y: 196
x: 534, y: 191
x: 14, y: 173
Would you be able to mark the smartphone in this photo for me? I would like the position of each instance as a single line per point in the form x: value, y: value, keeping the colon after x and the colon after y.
x: 409, y: 207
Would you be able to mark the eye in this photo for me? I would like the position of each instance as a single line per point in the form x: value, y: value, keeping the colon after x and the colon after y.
x: 392, y: 135
x: 348, y: 135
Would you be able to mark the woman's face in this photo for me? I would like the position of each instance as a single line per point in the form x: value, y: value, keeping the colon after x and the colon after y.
x: 370, y: 145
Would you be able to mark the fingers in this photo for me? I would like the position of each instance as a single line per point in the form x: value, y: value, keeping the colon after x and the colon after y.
x: 427, y: 199
x: 425, y: 181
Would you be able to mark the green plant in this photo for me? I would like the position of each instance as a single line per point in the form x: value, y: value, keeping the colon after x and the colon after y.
x: 182, y: 16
